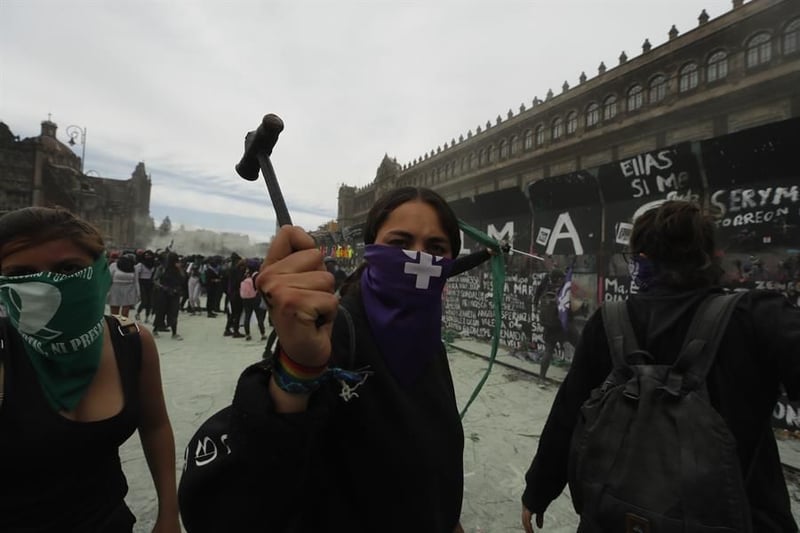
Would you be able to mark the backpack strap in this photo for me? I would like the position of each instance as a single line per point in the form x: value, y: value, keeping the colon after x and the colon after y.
x: 351, y: 337
x: 702, y: 342
x: 127, y: 351
x: 619, y: 332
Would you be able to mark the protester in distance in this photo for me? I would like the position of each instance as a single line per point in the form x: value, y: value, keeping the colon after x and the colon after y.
x: 194, y: 286
x: 674, y: 264
x: 252, y: 300
x: 338, y: 432
x: 232, y: 279
x: 124, y: 292
x: 339, y: 275
x: 76, y: 385
x: 169, y: 281
x: 145, y: 268
x: 211, y: 276
x: 552, y: 301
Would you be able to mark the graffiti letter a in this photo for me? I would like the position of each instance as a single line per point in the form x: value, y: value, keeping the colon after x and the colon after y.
x: 565, y: 229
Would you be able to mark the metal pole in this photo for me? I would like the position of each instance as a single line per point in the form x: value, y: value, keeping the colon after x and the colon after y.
x: 83, y: 149
x: 72, y: 132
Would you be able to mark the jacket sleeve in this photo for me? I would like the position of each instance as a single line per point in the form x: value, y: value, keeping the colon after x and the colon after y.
x: 248, y: 468
x: 468, y: 262
x: 547, y: 475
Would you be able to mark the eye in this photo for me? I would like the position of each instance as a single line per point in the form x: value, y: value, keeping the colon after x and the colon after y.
x: 437, y: 249
x: 69, y: 268
x: 399, y: 243
x: 19, y: 271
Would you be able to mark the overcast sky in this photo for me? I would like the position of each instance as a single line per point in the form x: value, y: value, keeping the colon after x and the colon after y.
x: 177, y: 84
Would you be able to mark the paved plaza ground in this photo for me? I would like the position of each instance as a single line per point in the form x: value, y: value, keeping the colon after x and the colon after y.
x: 501, y: 428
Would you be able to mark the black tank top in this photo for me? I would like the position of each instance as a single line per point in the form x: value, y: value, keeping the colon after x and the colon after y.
x: 58, y: 474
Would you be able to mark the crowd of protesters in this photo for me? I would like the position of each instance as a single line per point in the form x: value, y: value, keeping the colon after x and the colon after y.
x: 160, y: 284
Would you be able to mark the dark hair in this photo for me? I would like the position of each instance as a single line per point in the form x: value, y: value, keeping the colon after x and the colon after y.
x: 679, y: 239
x: 31, y: 226
x: 395, y: 198
x: 390, y: 201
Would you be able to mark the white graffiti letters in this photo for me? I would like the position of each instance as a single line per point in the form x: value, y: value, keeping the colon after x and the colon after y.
x: 735, y: 200
x: 565, y: 229
x: 207, y: 450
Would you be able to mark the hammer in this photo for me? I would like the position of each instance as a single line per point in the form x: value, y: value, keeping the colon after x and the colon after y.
x: 258, y: 146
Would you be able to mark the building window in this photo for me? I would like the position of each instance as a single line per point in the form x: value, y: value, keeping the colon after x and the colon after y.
x: 572, y: 122
x: 482, y: 158
x: 592, y: 114
x: 514, y: 144
x: 658, y: 89
x: 791, y: 37
x: 687, y: 79
x: 539, y: 136
x: 503, y: 149
x: 492, y: 153
x: 635, y: 97
x: 473, y: 161
x: 610, y: 107
x: 717, y: 68
x: 558, y: 128
x: 528, y: 139
x: 759, y: 50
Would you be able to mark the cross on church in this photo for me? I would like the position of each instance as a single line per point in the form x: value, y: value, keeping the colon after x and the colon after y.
x: 424, y: 270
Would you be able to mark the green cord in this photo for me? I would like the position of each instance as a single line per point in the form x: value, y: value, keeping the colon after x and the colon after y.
x: 498, y: 284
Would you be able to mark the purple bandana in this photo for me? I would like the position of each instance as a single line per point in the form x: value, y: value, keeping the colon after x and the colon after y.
x: 642, y: 272
x: 402, y: 293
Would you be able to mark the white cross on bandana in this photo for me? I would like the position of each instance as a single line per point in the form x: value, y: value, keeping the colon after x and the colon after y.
x: 424, y: 270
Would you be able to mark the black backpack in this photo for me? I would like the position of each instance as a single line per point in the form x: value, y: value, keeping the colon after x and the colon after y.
x: 548, y: 308
x: 649, y: 453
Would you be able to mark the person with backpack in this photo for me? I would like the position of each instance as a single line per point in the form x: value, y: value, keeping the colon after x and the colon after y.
x: 75, y: 384
x: 251, y: 299
x: 546, y: 302
x: 663, y: 422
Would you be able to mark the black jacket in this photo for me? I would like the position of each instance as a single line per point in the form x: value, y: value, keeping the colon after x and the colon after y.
x: 760, y: 351
x: 381, y: 458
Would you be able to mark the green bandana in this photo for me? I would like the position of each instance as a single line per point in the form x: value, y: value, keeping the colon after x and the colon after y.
x: 60, y: 319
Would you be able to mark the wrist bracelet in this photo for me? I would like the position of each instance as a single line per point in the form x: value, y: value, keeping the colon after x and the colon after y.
x: 294, y: 378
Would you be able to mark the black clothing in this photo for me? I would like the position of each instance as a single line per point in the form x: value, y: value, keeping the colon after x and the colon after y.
x: 250, y: 306
x: 213, y: 284
x: 58, y: 474
x: 169, y: 284
x: 146, y: 295
x: 470, y: 261
x: 759, y: 351
x: 367, y: 457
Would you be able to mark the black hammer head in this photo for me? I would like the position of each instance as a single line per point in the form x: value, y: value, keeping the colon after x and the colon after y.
x: 262, y: 140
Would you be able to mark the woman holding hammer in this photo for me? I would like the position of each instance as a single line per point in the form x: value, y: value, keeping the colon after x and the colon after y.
x: 352, y: 425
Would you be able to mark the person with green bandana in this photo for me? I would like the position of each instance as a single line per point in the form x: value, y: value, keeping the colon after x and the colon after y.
x: 75, y: 385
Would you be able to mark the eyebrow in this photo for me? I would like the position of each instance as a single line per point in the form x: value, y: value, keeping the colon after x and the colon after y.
x: 69, y: 260
x: 407, y: 235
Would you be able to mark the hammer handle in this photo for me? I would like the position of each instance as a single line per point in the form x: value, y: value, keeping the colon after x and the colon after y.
x: 274, y: 189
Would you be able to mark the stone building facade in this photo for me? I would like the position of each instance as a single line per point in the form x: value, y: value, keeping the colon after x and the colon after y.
x: 737, y: 71
x: 43, y: 171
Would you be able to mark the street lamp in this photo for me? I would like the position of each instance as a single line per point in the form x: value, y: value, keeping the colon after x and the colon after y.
x: 72, y: 133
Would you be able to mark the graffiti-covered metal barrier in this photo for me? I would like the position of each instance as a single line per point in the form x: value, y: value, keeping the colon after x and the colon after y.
x: 580, y: 222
